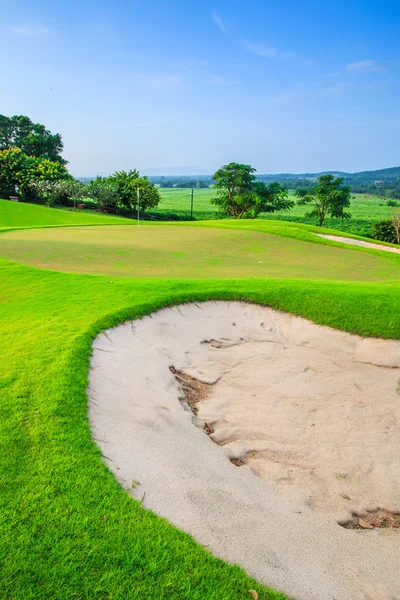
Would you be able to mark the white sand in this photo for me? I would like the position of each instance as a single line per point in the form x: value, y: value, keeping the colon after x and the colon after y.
x: 353, y: 242
x: 313, y: 411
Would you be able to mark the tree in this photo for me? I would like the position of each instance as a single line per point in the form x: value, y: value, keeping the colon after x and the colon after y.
x: 241, y: 196
x: 104, y: 193
x: 328, y: 197
x: 18, y: 171
x: 127, y: 184
x: 59, y: 192
x: 32, y: 138
x: 386, y: 231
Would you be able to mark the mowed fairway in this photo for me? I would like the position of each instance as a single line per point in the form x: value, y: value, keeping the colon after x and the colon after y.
x: 186, y: 252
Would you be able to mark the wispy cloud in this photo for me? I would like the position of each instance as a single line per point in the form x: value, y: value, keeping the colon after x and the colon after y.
x: 189, y: 65
x: 163, y: 80
x: 364, y: 66
x: 266, y: 51
x: 29, y: 30
x: 260, y: 49
x: 221, y: 80
x: 219, y: 22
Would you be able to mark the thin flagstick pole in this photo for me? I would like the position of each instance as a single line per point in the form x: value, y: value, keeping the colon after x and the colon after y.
x: 138, y: 208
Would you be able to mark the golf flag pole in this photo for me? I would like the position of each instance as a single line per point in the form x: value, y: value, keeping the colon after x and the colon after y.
x: 138, y: 208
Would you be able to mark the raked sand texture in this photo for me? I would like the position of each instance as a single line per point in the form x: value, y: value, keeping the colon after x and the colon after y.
x: 312, y: 412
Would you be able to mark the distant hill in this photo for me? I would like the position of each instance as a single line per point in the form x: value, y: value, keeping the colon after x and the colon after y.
x: 391, y: 174
x: 175, y: 171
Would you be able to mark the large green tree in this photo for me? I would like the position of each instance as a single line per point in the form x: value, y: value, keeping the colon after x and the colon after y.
x: 328, y: 197
x: 18, y: 171
x: 32, y: 138
x: 241, y: 196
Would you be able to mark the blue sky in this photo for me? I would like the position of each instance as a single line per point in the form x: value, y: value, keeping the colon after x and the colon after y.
x: 284, y: 86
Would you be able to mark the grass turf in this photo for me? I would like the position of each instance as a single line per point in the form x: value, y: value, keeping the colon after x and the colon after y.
x: 67, y: 529
x: 221, y: 250
x: 19, y: 214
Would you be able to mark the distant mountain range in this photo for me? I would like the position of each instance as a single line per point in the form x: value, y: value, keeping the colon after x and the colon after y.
x: 391, y: 174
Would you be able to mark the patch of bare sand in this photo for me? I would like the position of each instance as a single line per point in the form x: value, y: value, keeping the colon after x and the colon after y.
x: 354, y: 242
x: 311, y: 413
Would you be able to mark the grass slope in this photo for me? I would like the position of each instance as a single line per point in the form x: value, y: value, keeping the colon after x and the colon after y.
x: 19, y: 214
x: 224, y: 249
x: 67, y: 528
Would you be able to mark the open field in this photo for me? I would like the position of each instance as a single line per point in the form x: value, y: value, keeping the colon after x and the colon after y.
x: 67, y: 528
x: 365, y: 210
x: 180, y: 251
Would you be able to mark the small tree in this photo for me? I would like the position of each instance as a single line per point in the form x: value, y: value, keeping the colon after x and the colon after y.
x: 127, y: 184
x: 328, y: 197
x: 387, y: 231
x: 241, y: 196
x: 104, y: 193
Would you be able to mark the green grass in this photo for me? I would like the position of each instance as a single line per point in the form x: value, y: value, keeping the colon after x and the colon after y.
x: 67, y: 528
x: 214, y: 251
x: 18, y: 214
x: 365, y: 210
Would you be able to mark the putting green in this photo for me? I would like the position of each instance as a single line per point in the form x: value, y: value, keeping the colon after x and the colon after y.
x: 190, y: 252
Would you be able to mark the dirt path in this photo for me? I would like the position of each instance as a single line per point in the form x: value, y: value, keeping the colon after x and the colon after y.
x: 352, y: 242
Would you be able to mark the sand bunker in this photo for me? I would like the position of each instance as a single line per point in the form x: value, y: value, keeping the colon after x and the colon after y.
x: 273, y: 441
x: 353, y: 242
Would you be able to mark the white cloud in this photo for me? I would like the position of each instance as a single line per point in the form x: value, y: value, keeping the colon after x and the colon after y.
x: 29, y: 31
x: 219, y: 22
x: 363, y: 66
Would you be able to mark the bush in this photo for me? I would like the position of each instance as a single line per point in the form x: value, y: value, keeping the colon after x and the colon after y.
x: 391, y: 203
x: 385, y: 231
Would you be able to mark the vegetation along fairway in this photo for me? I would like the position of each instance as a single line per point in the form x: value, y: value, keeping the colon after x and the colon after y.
x: 179, y: 251
x: 365, y: 210
x: 67, y: 528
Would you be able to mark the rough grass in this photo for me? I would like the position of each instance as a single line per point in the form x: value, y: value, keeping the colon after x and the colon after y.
x: 220, y: 250
x: 67, y: 529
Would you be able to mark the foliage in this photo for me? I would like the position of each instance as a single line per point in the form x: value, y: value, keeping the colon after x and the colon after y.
x: 385, y: 231
x: 388, y: 230
x: 127, y: 186
x: 241, y: 196
x: 328, y: 197
x: 391, y: 203
x: 32, y: 138
x: 104, y: 193
x: 18, y: 171
x: 59, y: 192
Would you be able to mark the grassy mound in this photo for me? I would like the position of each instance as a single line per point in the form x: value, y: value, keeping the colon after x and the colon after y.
x: 220, y: 250
x: 19, y: 214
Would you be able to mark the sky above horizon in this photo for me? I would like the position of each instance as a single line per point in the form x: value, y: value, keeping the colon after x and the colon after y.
x: 286, y: 87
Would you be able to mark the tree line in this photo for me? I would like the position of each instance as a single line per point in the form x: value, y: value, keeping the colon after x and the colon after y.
x: 31, y: 165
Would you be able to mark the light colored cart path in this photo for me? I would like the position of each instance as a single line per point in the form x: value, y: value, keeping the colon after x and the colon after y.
x: 353, y: 242
x: 312, y: 410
